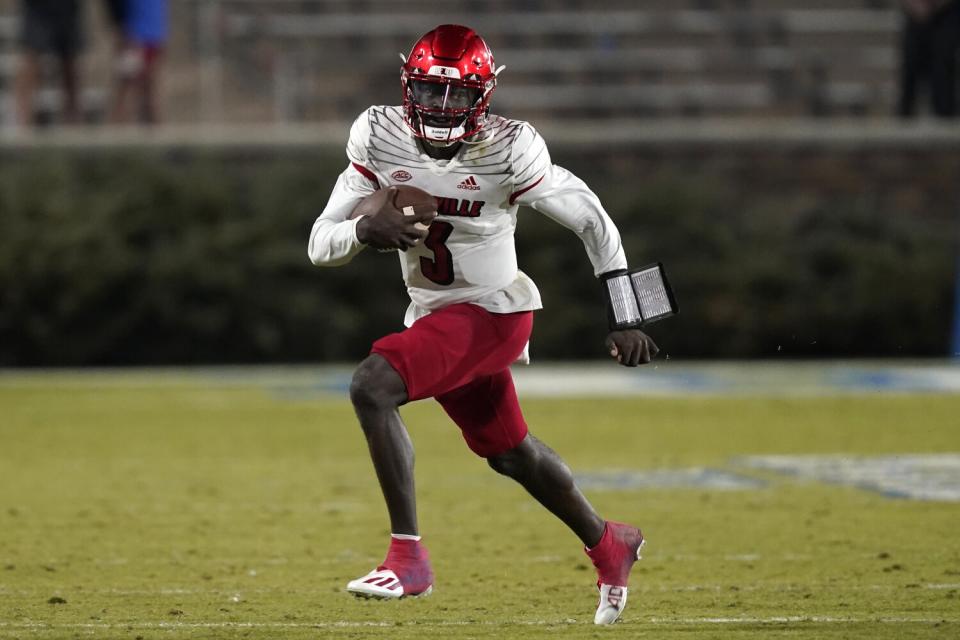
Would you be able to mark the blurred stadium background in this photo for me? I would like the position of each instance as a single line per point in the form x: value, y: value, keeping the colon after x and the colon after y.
x: 324, y: 60
x: 812, y: 237
x: 748, y: 145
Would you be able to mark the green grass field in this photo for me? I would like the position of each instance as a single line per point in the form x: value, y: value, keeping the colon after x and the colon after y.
x: 131, y: 509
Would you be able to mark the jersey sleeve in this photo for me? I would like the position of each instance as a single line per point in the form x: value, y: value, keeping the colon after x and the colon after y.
x: 333, y: 239
x: 358, y: 146
x: 566, y: 199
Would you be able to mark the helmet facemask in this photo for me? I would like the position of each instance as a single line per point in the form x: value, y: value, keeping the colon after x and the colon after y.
x: 444, y: 110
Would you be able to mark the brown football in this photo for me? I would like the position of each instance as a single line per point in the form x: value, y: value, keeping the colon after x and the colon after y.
x: 396, y: 199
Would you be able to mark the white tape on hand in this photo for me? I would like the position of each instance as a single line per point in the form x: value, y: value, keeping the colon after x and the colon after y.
x: 419, y: 226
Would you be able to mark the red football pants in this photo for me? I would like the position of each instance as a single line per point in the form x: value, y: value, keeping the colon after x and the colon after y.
x: 460, y: 355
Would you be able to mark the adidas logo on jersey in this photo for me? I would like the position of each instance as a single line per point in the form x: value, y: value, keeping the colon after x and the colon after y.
x: 470, y: 183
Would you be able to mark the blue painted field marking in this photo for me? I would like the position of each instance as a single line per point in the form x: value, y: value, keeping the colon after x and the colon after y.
x: 695, y: 477
x: 934, y: 477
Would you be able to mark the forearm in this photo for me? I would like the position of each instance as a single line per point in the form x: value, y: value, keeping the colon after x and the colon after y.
x: 569, y: 202
x: 333, y: 243
x: 333, y: 239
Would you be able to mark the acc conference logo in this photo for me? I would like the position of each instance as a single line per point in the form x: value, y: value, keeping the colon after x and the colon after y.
x: 400, y: 175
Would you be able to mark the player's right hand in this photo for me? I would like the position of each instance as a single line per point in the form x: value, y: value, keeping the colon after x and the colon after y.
x: 389, y: 228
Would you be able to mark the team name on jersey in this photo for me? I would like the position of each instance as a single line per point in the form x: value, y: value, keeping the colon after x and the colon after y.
x: 459, y: 208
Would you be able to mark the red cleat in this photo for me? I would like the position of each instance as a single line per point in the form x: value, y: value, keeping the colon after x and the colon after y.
x: 613, y: 557
x: 405, y: 573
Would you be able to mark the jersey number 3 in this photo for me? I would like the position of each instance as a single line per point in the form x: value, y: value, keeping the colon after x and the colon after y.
x: 440, y: 269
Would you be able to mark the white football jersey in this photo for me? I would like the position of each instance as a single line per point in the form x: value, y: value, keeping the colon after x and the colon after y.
x: 469, y: 254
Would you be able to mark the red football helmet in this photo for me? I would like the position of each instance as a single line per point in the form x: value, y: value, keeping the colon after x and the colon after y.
x: 447, y: 80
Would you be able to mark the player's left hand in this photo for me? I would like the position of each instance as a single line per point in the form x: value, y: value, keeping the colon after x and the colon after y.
x: 631, y: 347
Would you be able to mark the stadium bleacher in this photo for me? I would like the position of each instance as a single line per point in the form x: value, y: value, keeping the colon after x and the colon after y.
x: 7, y: 63
x: 312, y: 60
x: 618, y: 59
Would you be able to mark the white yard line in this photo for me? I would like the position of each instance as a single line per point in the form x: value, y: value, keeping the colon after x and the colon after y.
x: 762, y: 620
x: 644, y: 588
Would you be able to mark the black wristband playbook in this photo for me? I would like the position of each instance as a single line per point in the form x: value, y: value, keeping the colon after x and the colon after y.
x: 637, y: 297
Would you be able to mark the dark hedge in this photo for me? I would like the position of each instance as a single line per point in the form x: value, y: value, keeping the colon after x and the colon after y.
x: 146, y: 257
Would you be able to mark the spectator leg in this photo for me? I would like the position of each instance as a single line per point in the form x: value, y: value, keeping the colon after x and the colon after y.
x: 28, y: 76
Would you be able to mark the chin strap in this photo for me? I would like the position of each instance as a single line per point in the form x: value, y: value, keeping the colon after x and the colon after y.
x: 482, y: 135
x: 440, y: 144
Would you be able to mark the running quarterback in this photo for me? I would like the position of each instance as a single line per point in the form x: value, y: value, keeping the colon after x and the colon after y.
x: 471, y: 310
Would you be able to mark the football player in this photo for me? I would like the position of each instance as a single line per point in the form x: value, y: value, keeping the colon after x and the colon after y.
x: 471, y: 310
